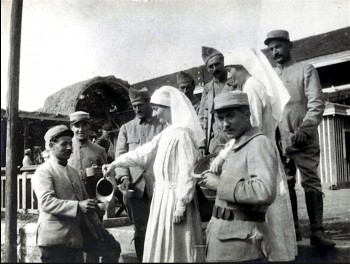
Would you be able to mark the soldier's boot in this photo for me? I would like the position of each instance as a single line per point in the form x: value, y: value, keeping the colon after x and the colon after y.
x: 294, y: 204
x: 314, y: 206
x: 139, y: 244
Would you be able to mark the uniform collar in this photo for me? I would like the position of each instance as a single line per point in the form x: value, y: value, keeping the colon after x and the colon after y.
x: 56, y: 161
x: 245, y: 138
x: 223, y: 80
x: 145, y: 120
x: 78, y: 142
x: 286, y: 64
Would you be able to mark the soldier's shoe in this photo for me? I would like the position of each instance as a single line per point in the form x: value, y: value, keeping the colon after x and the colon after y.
x: 319, y: 239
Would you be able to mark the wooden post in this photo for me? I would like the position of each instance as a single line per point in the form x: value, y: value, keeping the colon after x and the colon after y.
x: 24, y: 191
x: 25, y: 134
x: 12, y: 131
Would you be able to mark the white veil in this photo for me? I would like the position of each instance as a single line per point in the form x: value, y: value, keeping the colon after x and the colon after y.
x: 259, y: 67
x: 182, y: 111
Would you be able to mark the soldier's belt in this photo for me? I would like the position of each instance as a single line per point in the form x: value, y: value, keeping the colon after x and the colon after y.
x: 231, y: 214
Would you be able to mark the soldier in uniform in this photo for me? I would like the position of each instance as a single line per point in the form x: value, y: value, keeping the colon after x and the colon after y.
x: 298, y: 131
x: 105, y: 141
x: 86, y: 157
x: 136, y: 133
x: 27, y: 161
x: 246, y: 187
x: 214, y: 61
x: 64, y: 208
x: 186, y: 84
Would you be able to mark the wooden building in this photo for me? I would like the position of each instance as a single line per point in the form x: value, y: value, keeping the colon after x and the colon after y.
x: 32, y: 127
x: 330, y: 54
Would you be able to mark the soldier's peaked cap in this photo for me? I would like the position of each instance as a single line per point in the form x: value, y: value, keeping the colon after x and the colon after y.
x: 57, y: 131
x: 137, y: 95
x: 277, y: 34
x: 183, y: 77
x: 208, y: 53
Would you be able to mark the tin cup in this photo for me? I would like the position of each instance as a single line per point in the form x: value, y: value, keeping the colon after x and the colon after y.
x: 90, y: 172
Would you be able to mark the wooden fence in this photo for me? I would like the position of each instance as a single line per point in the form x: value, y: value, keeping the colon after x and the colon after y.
x: 27, y: 201
x: 26, y: 198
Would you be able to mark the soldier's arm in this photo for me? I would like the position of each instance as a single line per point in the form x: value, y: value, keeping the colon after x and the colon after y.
x: 315, y: 100
x: 121, y: 148
x: 259, y: 186
x: 201, y: 115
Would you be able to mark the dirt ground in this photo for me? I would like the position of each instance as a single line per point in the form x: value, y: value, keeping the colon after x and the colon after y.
x: 336, y: 213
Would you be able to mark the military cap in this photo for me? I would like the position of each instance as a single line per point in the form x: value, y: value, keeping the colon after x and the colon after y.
x: 208, y: 53
x: 79, y: 116
x: 183, y: 77
x: 107, y: 127
x: 27, y: 151
x: 137, y: 95
x: 230, y: 99
x: 57, y: 131
x: 277, y: 34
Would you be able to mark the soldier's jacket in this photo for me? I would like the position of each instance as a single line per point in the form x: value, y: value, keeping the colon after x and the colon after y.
x: 206, y: 117
x: 247, y: 184
x: 196, y: 104
x: 86, y: 155
x: 131, y: 135
x: 59, y: 190
x: 305, y: 108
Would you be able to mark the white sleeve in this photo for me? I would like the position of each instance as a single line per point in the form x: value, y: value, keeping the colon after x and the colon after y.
x: 141, y: 155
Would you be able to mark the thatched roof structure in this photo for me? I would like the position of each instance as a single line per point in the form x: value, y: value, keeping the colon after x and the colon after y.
x: 66, y: 100
x: 105, y: 98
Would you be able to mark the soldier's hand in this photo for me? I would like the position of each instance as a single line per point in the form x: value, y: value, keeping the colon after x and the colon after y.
x: 124, y: 187
x: 210, y: 180
x: 299, y: 138
x: 88, y: 206
x: 216, y: 165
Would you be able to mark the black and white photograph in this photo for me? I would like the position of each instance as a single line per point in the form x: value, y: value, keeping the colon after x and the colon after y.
x: 175, y: 131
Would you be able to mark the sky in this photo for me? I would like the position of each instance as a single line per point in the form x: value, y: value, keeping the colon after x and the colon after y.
x: 67, y: 41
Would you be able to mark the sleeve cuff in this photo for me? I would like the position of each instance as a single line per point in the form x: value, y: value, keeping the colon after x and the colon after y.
x: 180, y: 206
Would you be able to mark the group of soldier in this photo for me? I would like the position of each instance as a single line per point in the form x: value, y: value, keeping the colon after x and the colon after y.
x: 69, y: 192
